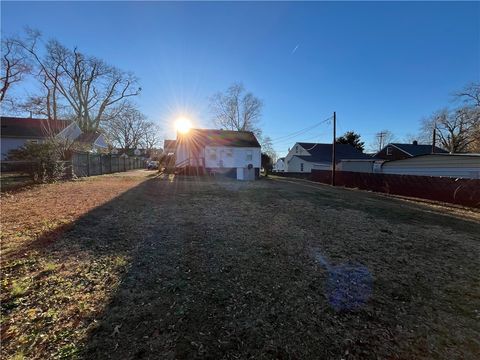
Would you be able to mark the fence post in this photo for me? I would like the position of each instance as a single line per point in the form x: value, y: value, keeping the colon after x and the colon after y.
x: 110, y: 162
x: 88, y: 164
x: 125, y: 164
x: 101, y: 164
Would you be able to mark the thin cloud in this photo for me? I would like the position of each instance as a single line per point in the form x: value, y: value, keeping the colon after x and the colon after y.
x: 295, y: 49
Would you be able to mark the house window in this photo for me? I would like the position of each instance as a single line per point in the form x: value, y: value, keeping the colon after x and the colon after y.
x: 33, y: 141
x: 229, y: 152
x: 389, y: 150
x: 301, y: 166
x: 249, y: 155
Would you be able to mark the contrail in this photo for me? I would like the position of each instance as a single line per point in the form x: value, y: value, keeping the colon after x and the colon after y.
x: 295, y: 49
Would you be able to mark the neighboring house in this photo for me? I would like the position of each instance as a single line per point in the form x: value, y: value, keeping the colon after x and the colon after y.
x: 359, y: 165
x: 219, y: 151
x: 16, y: 132
x: 93, y: 140
x: 397, y: 151
x: 305, y: 157
x: 449, y: 165
x: 279, y: 166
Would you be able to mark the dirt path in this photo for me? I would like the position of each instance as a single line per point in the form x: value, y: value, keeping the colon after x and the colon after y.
x: 201, y: 268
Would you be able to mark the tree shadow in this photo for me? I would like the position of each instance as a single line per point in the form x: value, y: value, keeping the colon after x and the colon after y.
x: 191, y: 267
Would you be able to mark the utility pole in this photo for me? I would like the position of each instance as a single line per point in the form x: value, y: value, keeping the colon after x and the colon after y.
x: 380, y: 135
x: 333, y: 146
x: 434, y: 138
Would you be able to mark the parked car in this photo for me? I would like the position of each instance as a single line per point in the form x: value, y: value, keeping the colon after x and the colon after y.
x: 152, y: 165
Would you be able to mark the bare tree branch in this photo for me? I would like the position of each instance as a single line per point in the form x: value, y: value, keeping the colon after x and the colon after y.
x: 236, y: 110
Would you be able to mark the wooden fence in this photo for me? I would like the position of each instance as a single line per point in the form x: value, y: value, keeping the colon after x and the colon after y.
x: 86, y: 164
x: 82, y: 164
x: 451, y: 190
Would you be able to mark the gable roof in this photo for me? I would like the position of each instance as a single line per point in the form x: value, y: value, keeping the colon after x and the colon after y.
x: 169, y: 144
x: 417, y: 149
x: 88, y: 137
x: 228, y: 138
x: 323, y: 152
x: 31, y: 128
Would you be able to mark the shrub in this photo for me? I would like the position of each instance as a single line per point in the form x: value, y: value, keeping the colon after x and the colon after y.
x: 46, y: 160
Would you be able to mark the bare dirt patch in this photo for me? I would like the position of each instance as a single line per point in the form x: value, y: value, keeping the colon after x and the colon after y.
x: 210, y: 268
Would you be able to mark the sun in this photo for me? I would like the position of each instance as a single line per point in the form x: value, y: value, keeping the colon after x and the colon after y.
x: 183, y: 125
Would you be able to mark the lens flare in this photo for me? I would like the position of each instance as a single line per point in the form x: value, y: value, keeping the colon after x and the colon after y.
x: 183, y: 125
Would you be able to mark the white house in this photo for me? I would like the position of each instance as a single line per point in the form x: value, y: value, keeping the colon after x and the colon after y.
x: 279, y: 165
x: 305, y: 157
x: 16, y: 132
x: 237, y: 153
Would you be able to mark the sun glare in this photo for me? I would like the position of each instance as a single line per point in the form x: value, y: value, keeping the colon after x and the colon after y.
x: 183, y: 125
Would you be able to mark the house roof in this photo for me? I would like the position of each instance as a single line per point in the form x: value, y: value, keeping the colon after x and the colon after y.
x: 31, y: 128
x: 88, y: 137
x: 229, y: 138
x: 417, y: 149
x: 169, y: 144
x: 323, y: 152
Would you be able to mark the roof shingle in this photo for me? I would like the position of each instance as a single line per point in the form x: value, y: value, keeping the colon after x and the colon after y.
x: 31, y: 128
x: 323, y: 152
x: 229, y: 138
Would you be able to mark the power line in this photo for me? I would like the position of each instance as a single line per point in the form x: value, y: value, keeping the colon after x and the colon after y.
x: 281, y: 143
x: 300, y: 132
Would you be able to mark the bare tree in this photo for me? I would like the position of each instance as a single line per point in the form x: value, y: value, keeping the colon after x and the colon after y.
x: 267, y: 148
x: 127, y: 130
x: 470, y: 94
x: 382, y: 138
x: 15, y: 65
x: 151, y: 138
x: 236, y: 109
x: 92, y: 88
x: 455, y: 129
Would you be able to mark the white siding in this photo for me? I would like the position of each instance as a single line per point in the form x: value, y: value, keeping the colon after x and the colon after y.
x: 220, y: 157
x: 279, y: 166
x: 100, y: 143
x: 295, y: 150
x: 463, y: 166
x: 232, y: 157
x: 295, y: 165
x: 71, y: 132
x: 356, y: 165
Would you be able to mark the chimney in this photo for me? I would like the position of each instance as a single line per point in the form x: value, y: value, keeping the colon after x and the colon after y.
x: 415, y: 142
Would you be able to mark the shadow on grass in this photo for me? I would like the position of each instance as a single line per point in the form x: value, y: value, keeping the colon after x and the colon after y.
x: 183, y: 268
x: 54, y: 286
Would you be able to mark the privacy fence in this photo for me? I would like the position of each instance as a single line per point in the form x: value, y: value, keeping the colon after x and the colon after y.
x: 82, y: 164
x: 456, y: 191
x: 86, y: 164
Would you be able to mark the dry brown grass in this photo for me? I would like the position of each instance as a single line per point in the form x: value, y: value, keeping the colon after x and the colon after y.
x: 201, y: 268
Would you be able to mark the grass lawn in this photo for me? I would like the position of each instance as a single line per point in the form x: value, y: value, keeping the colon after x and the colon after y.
x: 133, y: 266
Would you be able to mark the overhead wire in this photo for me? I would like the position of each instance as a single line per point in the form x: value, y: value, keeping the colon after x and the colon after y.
x: 300, y: 132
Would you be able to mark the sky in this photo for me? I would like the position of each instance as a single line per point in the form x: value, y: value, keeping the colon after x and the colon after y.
x: 379, y: 65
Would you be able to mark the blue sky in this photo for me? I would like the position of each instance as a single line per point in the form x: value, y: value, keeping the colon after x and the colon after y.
x: 379, y: 65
